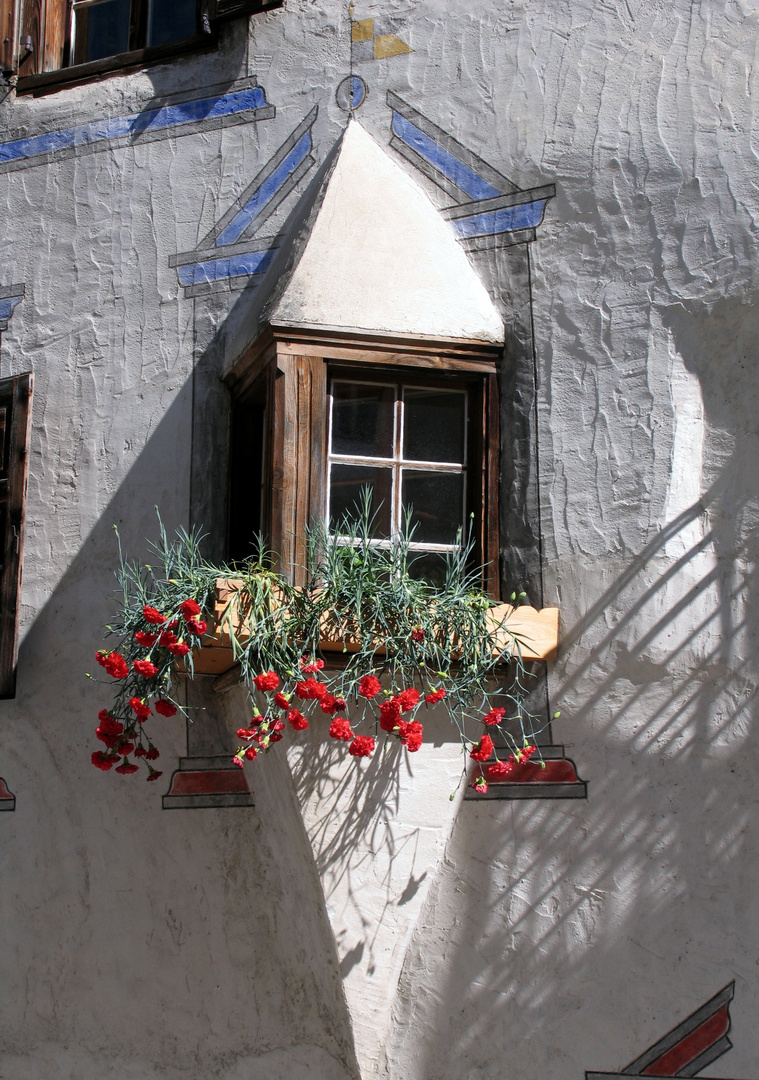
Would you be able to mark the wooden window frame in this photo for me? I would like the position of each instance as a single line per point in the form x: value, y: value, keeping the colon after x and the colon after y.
x: 290, y: 368
x: 15, y: 409
x: 48, y: 25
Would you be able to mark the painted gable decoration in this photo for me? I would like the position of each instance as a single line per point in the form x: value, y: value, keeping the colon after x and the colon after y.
x: 10, y: 297
x: 232, y: 251
x: 178, y: 116
x: 489, y: 209
x: 374, y: 255
x: 376, y: 39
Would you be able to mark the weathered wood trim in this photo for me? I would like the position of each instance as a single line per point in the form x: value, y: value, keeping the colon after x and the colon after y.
x: 356, y: 347
x: 491, y: 449
x: 9, y: 35
x: 16, y: 396
x: 298, y: 457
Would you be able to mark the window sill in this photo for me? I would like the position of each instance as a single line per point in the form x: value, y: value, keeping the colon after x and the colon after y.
x: 122, y: 64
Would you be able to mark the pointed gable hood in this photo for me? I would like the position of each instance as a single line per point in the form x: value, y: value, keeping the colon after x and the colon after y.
x: 371, y: 253
x: 379, y: 257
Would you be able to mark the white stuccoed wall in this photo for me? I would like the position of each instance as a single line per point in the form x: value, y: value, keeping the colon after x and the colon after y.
x: 544, y: 939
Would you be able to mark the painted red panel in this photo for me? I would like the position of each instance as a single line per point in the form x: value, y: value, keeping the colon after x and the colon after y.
x: 691, y: 1046
x: 555, y: 772
x: 4, y: 793
x: 209, y: 782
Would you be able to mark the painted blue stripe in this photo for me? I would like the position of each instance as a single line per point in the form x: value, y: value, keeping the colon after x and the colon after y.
x: 250, y: 262
x: 456, y: 171
x: 264, y: 193
x: 7, y: 306
x: 153, y: 120
x: 526, y: 216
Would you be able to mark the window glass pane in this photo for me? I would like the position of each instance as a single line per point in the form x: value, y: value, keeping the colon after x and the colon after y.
x: 346, y: 483
x: 105, y: 29
x: 171, y: 20
x: 362, y: 419
x: 429, y: 567
x: 434, y: 425
x: 438, y: 505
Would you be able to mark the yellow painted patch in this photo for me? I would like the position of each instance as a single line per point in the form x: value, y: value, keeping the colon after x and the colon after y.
x: 362, y: 30
x: 389, y: 45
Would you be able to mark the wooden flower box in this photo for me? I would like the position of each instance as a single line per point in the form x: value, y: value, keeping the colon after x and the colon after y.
x: 536, y: 630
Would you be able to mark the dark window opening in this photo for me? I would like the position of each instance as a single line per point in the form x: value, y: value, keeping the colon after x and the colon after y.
x: 246, y: 494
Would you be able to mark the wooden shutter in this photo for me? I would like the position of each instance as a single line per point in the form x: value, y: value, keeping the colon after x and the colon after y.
x: 15, y: 419
x: 46, y: 23
x: 221, y: 10
x: 9, y: 35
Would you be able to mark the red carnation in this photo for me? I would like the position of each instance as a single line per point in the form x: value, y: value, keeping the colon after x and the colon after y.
x: 482, y: 750
x: 189, y: 609
x: 340, y: 729
x: 369, y: 686
x: 330, y: 704
x: 164, y: 707
x: 152, y: 754
x: 524, y: 755
x: 362, y: 746
x: 268, y: 680
x: 126, y: 747
x: 197, y: 626
x: 140, y: 752
x: 126, y: 767
x: 145, y: 668
x: 281, y: 700
x: 237, y: 760
x: 251, y: 753
x: 154, y: 774
x: 142, y: 637
x: 245, y: 733
x: 499, y: 770
x: 411, y: 735
x: 114, y: 664
x: 494, y: 716
x: 435, y: 695
x: 311, y: 690
x: 407, y: 699
x: 109, y: 730
x: 310, y: 666
x: 480, y: 785
x: 168, y: 637
x: 139, y: 707
x: 417, y: 634
x: 390, y: 714
x: 101, y: 760
x: 297, y: 720
x: 150, y: 615
x: 181, y: 648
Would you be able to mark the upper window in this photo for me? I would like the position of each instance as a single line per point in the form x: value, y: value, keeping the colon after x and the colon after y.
x: 103, y: 28
x: 65, y: 41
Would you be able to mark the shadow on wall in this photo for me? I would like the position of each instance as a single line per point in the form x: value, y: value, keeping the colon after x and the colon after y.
x: 574, y: 935
x: 207, y: 966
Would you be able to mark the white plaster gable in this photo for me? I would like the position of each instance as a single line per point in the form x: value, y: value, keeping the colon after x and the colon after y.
x: 380, y: 258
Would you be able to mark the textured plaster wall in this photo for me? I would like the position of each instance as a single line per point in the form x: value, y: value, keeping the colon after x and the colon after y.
x: 532, y: 939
